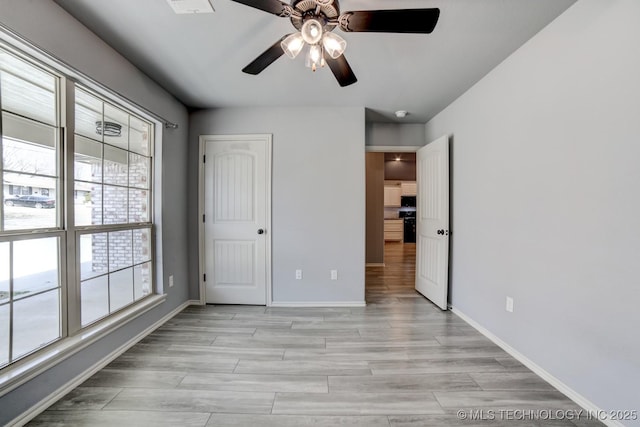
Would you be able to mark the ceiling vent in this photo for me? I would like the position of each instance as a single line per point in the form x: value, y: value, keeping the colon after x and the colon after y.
x: 182, y: 7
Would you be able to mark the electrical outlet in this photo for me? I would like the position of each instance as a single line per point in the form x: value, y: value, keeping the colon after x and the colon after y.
x: 509, y: 306
x: 171, y: 280
x: 334, y: 274
x: 298, y: 274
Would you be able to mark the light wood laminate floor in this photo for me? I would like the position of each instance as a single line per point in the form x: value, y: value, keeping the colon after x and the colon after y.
x: 400, y: 361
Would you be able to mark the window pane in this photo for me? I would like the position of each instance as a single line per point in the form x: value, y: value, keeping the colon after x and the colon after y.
x: 30, y: 210
x: 36, y: 322
x: 88, y: 203
x: 121, y: 289
x: 94, y: 299
x: 139, y: 134
x: 142, y: 280
x: 138, y: 171
x: 28, y: 146
x: 138, y: 206
x: 93, y: 255
x: 4, y: 272
x: 141, y: 245
x: 35, y: 266
x: 116, y: 124
x: 115, y: 166
x: 4, y: 334
x: 115, y: 205
x: 120, y: 250
x: 88, y: 160
x: 27, y: 90
x: 88, y: 114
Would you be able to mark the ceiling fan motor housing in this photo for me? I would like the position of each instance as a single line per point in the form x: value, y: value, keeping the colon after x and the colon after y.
x: 329, y: 11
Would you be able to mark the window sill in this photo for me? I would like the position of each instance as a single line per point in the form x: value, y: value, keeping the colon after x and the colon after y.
x: 19, y: 373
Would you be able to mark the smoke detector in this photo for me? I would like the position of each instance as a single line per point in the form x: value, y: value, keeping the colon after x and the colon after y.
x: 401, y: 113
x: 182, y: 7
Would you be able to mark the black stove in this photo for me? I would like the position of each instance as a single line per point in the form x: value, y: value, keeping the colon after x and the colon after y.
x: 409, y: 217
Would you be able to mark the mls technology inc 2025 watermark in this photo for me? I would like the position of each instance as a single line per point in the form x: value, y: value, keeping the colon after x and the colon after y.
x: 545, y: 415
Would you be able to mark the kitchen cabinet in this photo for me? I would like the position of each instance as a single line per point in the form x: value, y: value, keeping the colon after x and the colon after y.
x: 409, y: 188
x: 392, y: 194
x: 393, y: 229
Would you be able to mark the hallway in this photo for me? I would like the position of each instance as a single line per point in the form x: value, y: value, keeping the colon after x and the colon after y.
x: 394, y: 282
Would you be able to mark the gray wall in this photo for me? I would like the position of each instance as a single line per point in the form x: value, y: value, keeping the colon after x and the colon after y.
x: 49, y: 27
x: 375, y: 208
x: 395, y: 134
x: 318, y: 197
x: 545, y: 200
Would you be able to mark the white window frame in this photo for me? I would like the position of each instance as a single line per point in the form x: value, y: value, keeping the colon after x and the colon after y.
x: 74, y: 338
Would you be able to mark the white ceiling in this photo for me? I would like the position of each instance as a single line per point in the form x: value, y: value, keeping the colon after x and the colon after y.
x: 199, y: 57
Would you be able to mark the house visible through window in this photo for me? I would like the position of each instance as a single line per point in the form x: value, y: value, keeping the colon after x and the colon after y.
x: 18, y: 190
x: 105, y: 226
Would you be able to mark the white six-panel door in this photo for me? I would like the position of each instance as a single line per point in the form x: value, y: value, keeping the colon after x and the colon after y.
x: 432, y: 250
x: 236, y: 190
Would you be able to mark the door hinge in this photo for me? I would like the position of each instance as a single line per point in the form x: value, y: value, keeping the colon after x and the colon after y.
x: 202, y: 217
x: 204, y: 277
x: 204, y: 159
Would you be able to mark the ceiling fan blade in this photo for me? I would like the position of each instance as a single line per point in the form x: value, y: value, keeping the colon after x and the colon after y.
x: 341, y: 70
x: 421, y: 21
x: 267, y: 58
x: 275, y: 7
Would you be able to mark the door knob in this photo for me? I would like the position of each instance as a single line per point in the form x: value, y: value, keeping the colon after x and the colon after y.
x: 260, y: 231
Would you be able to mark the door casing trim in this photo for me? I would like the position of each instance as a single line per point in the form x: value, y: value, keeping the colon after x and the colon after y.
x: 202, y: 140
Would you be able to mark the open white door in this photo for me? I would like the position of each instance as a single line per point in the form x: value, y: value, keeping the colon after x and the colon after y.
x: 432, y: 244
x: 236, y: 196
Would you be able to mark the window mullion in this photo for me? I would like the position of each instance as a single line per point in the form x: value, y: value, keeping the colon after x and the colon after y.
x: 72, y: 289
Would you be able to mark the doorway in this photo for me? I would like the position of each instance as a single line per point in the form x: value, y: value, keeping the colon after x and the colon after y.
x: 391, y: 224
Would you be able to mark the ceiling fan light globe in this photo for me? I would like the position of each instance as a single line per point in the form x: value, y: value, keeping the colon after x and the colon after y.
x: 334, y: 45
x: 311, y: 31
x: 292, y: 45
x: 314, y: 57
x: 316, y: 53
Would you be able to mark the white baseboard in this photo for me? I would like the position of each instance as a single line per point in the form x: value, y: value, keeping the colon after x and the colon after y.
x: 374, y: 264
x: 195, y: 302
x: 41, y: 406
x: 582, y: 401
x: 318, y: 304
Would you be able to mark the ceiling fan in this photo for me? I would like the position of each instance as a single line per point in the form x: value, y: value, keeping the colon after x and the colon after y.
x: 315, y: 21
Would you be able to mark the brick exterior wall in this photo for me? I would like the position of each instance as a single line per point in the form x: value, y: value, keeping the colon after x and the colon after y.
x: 109, y: 206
